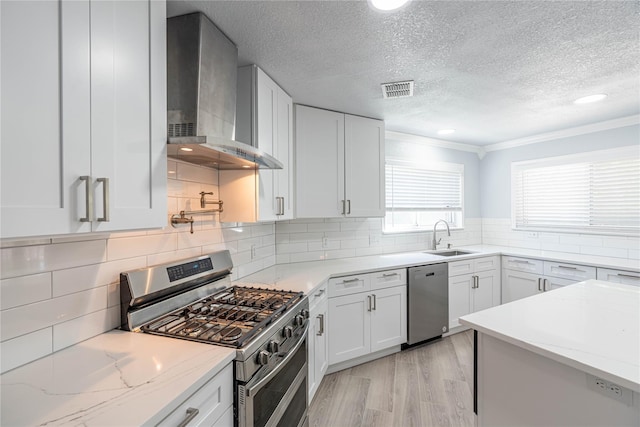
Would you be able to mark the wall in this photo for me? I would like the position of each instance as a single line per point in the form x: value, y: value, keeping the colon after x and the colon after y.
x: 58, y: 291
x: 495, y: 179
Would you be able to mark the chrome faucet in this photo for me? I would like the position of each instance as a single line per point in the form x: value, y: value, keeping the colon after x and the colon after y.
x: 435, y: 242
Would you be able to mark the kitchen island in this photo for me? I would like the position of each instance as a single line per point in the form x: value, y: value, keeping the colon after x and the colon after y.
x: 568, y: 357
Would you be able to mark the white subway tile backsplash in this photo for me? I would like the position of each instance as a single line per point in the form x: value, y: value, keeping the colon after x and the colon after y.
x: 130, y: 247
x: 199, y: 238
x: 24, y: 290
x: 21, y: 261
x: 165, y: 257
x: 25, y: 349
x: 28, y: 318
x: 84, y: 327
x: 323, y: 226
x: 601, y: 251
x: 91, y: 276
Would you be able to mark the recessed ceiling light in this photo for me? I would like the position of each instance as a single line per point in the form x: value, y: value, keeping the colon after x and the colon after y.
x: 387, y: 5
x: 186, y: 149
x: 446, y: 131
x: 591, y: 98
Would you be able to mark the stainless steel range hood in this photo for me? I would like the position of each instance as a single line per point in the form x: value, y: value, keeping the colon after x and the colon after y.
x: 202, y: 66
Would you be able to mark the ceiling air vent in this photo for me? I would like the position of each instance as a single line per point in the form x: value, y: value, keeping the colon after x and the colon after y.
x: 397, y: 89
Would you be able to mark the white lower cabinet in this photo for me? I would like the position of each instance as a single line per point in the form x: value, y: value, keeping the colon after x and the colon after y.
x: 522, y: 277
x: 619, y: 276
x: 211, y: 405
x: 477, y: 289
x: 370, y: 320
x: 317, y: 339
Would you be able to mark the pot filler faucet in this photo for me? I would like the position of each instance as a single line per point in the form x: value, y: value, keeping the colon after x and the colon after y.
x: 435, y: 242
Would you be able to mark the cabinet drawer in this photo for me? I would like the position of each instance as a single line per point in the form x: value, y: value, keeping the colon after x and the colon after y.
x: 619, y: 276
x: 318, y: 295
x: 388, y: 279
x: 569, y: 271
x: 456, y: 268
x: 349, y: 285
x: 487, y: 263
x: 523, y: 264
x: 211, y: 400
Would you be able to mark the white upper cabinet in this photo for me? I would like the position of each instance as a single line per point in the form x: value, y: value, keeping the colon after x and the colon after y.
x: 264, y: 120
x: 83, y: 117
x: 339, y: 164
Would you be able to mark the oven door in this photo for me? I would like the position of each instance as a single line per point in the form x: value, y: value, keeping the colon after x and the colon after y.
x: 277, y: 395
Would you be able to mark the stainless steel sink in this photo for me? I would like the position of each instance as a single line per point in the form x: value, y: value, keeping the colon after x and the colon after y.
x: 449, y: 253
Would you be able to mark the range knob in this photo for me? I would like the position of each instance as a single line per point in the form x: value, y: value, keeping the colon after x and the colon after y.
x: 287, y: 332
x: 263, y: 357
x: 274, y: 346
x: 305, y: 313
x: 298, y: 320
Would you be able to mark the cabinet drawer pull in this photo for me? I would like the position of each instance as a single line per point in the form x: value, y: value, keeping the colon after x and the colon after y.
x: 390, y: 274
x: 519, y: 261
x: 567, y: 268
x: 321, y: 318
x: 191, y: 414
x: 88, y: 199
x: 105, y: 199
x: 319, y: 293
x: 628, y: 275
x: 351, y: 280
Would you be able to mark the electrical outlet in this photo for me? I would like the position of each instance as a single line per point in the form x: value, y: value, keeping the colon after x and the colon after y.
x: 253, y: 251
x: 532, y: 234
x: 609, y: 389
x: 325, y: 242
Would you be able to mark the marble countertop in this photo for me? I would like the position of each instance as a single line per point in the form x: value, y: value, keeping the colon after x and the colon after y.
x: 117, y: 378
x: 593, y: 326
x: 306, y: 276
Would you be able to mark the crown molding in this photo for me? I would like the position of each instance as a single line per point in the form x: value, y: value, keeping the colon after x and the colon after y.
x: 433, y: 142
x: 565, y: 133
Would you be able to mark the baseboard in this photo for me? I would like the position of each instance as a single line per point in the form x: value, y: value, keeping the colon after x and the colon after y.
x: 364, y: 359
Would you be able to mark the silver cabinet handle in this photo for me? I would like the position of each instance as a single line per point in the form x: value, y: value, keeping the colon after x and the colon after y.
x: 351, y: 280
x: 191, y: 414
x: 628, y: 275
x: 319, y: 293
x: 369, y: 298
x: 567, y: 268
x: 389, y: 274
x: 374, y: 301
x: 88, y: 199
x: 105, y: 199
x: 539, y: 280
x: 348, y: 207
x: 280, y: 205
x: 544, y: 284
x: 344, y: 209
x: 321, y: 318
x: 518, y: 261
x: 477, y: 281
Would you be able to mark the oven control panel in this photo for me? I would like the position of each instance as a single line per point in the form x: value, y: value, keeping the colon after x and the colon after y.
x: 188, y: 269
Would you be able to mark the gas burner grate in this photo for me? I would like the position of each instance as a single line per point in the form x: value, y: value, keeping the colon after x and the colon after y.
x: 230, y: 317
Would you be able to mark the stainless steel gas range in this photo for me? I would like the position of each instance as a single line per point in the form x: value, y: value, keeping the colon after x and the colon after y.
x: 193, y: 300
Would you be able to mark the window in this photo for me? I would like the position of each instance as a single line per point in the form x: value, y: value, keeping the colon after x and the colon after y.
x: 418, y: 195
x: 597, y: 192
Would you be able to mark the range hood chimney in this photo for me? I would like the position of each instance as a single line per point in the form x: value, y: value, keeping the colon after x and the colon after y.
x: 202, y: 66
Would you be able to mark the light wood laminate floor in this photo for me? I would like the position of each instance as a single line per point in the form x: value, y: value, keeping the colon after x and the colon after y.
x: 429, y: 385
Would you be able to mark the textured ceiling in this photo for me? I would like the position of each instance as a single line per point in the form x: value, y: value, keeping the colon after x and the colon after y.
x: 492, y: 70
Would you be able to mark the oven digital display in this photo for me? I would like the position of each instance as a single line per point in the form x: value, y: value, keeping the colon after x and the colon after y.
x: 189, y: 269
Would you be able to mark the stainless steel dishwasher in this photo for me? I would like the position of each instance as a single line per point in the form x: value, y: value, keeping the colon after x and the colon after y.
x: 428, y: 302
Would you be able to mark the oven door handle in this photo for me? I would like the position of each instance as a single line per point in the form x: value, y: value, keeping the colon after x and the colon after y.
x: 252, y: 388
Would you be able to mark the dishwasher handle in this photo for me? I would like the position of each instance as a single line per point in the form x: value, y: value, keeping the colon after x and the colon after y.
x: 431, y: 273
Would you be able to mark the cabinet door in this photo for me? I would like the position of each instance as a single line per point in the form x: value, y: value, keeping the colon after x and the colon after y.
x: 388, y: 318
x: 459, y: 298
x: 45, y: 104
x: 349, y: 327
x: 364, y: 166
x: 320, y: 347
x: 128, y: 114
x: 486, y: 294
x: 266, y: 114
x: 284, y: 153
x: 319, y: 136
x: 517, y: 284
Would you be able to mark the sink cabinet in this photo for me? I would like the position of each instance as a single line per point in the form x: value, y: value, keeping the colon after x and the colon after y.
x: 474, y: 285
x: 367, y: 314
x: 83, y: 117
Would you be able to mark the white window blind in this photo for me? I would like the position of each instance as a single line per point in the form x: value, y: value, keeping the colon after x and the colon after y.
x: 418, y: 195
x: 597, y: 191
